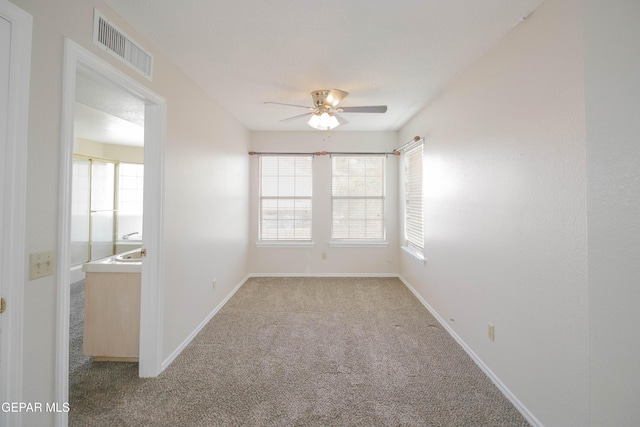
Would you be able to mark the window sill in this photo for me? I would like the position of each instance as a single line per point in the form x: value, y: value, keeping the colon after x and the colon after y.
x: 284, y: 244
x: 357, y: 244
x: 418, y: 256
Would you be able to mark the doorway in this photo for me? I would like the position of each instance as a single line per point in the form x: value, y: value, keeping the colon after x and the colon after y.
x: 152, y: 282
x: 107, y: 191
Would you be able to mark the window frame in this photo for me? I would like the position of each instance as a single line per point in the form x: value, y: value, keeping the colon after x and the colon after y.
x: 360, y: 241
x: 283, y: 242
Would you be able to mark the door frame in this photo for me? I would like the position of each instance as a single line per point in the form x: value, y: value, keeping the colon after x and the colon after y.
x: 152, y: 286
x: 14, y: 208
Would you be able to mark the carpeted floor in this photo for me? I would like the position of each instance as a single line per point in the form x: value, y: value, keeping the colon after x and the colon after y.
x: 304, y: 352
x: 77, y: 361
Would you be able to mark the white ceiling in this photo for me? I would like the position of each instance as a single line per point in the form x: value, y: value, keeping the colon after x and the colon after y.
x: 398, y: 53
x: 104, y: 112
x: 95, y: 125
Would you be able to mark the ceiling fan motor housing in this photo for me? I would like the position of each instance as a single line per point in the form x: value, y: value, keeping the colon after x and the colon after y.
x: 329, y: 98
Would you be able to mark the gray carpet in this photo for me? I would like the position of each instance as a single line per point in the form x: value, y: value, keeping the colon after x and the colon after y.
x: 304, y: 352
x: 77, y: 361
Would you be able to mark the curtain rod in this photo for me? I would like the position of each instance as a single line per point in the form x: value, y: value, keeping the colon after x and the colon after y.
x: 413, y: 141
x: 395, y: 152
x: 321, y: 153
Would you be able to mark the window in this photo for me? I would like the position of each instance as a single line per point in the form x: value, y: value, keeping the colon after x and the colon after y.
x: 413, y: 216
x: 358, y: 195
x: 285, y: 198
x: 103, y: 210
x: 81, y: 212
x: 93, y: 207
x: 130, y: 196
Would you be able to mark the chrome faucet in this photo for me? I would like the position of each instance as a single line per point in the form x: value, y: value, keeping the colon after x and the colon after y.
x: 126, y: 236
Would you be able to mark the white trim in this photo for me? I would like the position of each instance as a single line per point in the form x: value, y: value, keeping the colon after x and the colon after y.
x: 493, y: 377
x: 323, y: 275
x: 202, y: 324
x: 152, y: 289
x: 76, y: 274
x: 63, y: 275
x: 358, y: 244
x: 415, y: 254
x: 14, y: 208
x: 284, y: 244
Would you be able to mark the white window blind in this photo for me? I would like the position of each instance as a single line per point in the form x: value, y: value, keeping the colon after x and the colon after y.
x: 285, y: 198
x: 358, y: 197
x: 413, y: 220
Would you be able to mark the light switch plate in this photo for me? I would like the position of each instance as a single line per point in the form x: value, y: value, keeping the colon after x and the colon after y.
x: 41, y: 264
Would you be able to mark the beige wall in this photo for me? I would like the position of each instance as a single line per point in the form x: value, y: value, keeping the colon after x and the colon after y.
x: 612, y: 85
x: 122, y: 153
x: 506, y: 196
x: 338, y: 260
x: 505, y: 212
x: 206, y: 190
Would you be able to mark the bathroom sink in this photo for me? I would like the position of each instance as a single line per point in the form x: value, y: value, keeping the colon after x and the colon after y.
x: 134, y: 256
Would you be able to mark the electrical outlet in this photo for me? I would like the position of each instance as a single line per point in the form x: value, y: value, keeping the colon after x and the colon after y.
x: 213, y: 284
x: 491, y: 331
x: 324, y: 256
x: 41, y: 264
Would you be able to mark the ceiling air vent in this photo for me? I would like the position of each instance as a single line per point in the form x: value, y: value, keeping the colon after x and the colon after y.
x: 114, y: 41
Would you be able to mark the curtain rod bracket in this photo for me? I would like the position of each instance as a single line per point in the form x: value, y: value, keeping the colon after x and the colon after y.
x: 413, y: 141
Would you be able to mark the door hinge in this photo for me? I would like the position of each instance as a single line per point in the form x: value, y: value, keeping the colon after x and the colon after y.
x: 143, y: 252
x: 3, y: 305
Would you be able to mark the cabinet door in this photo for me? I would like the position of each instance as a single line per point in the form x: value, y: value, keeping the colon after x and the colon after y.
x: 112, y: 315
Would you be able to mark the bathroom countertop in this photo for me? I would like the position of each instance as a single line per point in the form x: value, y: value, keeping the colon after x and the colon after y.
x: 110, y: 265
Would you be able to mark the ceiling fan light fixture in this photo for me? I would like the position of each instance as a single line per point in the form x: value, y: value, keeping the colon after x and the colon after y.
x: 325, y: 104
x: 324, y: 121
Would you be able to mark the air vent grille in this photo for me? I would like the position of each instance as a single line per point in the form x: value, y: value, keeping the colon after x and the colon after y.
x: 113, y: 40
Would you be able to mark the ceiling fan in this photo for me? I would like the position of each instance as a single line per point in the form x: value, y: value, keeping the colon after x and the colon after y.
x: 325, y: 106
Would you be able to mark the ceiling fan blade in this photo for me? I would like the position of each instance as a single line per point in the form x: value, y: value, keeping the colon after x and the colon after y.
x: 291, y: 105
x: 297, y: 117
x: 364, y: 109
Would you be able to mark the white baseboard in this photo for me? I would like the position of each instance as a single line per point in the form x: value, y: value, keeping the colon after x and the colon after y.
x: 323, y: 275
x: 503, y: 388
x: 202, y: 324
x: 77, y: 274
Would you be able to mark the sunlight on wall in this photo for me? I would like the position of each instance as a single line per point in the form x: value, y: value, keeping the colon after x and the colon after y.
x: 441, y: 179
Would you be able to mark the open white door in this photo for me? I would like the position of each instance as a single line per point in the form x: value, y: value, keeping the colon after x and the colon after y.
x: 5, y: 60
x: 15, y: 59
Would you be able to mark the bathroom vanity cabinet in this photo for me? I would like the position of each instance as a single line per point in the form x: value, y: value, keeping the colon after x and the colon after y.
x: 112, y: 316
